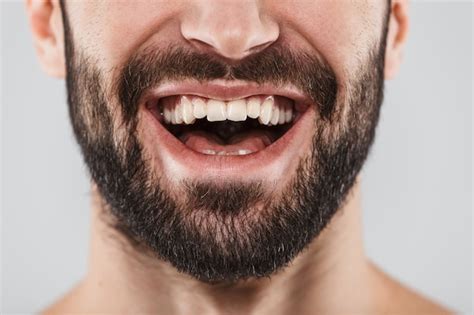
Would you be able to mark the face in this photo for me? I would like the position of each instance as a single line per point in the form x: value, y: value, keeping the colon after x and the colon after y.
x: 224, y: 135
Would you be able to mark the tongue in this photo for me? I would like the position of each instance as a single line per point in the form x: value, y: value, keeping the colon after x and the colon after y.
x: 243, y: 143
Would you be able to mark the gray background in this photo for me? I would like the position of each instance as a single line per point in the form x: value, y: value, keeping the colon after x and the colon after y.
x: 417, y: 183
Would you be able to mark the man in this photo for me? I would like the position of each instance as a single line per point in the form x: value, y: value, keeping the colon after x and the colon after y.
x: 224, y: 141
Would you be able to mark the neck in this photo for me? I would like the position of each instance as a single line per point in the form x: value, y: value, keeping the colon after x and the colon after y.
x: 323, y: 276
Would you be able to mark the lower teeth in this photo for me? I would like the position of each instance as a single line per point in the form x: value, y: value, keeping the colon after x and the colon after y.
x: 238, y: 152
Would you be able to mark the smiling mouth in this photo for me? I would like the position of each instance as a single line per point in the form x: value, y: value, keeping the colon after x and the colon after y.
x: 219, y: 127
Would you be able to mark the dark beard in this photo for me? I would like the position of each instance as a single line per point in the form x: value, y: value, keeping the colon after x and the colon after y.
x: 224, y: 236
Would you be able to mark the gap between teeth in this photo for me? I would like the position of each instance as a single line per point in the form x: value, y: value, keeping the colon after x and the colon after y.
x: 188, y: 109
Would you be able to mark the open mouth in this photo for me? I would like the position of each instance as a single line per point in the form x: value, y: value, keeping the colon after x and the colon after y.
x: 226, y: 130
x: 236, y: 127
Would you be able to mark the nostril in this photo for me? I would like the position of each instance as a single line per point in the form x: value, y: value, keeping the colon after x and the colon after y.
x: 230, y: 30
x: 231, y: 50
x: 258, y: 48
x: 201, y: 45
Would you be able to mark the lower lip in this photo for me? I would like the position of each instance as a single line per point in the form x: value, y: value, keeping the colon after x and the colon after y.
x: 176, y: 157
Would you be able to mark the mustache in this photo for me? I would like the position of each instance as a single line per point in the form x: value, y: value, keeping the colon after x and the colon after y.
x: 276, y: 65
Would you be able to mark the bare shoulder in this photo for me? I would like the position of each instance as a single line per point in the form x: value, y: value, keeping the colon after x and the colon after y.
x: 66, y: 304
x: 397, y: 298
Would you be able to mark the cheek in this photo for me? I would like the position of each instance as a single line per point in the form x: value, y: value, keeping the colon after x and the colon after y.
x: 343, y: 31
x: 112, y: 30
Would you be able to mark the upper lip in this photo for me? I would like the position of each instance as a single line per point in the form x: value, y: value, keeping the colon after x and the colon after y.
x: 225, y: 90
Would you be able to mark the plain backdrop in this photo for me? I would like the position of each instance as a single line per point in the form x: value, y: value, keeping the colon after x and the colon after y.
x: 417, y: 182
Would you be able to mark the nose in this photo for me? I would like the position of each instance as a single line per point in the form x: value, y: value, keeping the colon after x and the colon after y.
x: 232, y: 29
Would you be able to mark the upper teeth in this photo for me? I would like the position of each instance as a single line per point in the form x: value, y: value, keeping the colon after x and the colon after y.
x: 188, y: 109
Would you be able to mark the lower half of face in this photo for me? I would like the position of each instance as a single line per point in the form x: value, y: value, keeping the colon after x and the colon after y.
x: 225, y: 171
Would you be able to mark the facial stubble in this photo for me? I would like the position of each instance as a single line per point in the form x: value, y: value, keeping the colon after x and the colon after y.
x: 224, y: 236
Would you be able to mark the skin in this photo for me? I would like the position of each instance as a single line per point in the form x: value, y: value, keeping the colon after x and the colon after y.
x: 334, y: 267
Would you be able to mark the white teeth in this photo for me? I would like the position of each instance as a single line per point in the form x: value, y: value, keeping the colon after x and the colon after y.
x: 187, y: 110
x: 281, y: 117
x: 275, y: 115
x: 216, y: 110
x: 266, y: 111
x: 253, y: 107
x: 172, y: 117
x: 237, y: 110
x: 199, y: 110
x: 243, y: 152
x: 178, y: 114
x: 238, y: 152
x: 167, y: 115
x: 209, y: 152
x: 288, y: 114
